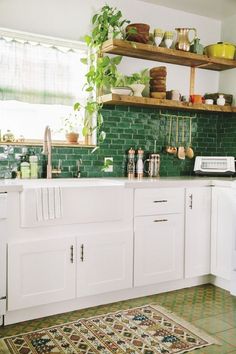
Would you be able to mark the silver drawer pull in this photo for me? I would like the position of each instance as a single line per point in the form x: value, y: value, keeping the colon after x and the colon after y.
x: 160, y: 201
x: 160, y: 220
x: 82, y: 253
x: 190, y: 201
x: 72, y: 254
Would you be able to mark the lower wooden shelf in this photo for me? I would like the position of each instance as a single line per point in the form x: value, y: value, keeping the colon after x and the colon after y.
x: 113, y: 99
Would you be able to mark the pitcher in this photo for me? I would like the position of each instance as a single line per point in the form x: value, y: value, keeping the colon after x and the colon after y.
x: 183, y: 42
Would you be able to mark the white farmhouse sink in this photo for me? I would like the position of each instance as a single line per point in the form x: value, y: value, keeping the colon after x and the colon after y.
x: 71, y: 201
x: 71, y: 182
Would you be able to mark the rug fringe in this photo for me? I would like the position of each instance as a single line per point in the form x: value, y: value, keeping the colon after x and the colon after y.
x: 199, y: 332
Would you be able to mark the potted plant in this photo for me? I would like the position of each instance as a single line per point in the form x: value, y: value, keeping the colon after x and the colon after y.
x: 102, y: 72
x: 71, y: 125
x: 138, y: 81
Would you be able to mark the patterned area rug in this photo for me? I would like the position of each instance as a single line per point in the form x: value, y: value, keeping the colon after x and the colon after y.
x: 146, y: 330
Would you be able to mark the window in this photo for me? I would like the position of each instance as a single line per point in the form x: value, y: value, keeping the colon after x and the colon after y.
x: 40, y: 80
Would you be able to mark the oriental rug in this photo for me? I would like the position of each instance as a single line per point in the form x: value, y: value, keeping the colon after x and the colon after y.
x: 147, y: 329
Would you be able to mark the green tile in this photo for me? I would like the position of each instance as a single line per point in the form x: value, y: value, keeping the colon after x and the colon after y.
x: 228, y: 336
x: 211, y: 325
x: 228, y: 317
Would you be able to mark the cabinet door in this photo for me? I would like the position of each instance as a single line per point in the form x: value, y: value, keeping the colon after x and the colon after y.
x: 159, y: 249
x: 222, y: 232
x: 197, y: 231
x: 105, y: 262
x: 40, y: 272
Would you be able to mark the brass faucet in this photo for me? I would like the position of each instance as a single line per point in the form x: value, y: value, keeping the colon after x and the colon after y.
x: 47, y: 150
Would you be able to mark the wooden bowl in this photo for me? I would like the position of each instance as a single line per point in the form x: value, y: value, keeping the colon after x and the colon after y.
x: 142, y: 32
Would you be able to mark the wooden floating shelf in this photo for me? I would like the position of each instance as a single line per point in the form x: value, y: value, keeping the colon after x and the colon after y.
x: 112, y: 99
x: 172, y: 56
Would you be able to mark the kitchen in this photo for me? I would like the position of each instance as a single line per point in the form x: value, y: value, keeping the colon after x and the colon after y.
x: 213, y: 133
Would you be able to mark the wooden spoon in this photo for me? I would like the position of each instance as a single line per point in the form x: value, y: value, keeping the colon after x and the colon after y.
x: 169, y: 147
x: 181, y: 149
x: 189, y: 151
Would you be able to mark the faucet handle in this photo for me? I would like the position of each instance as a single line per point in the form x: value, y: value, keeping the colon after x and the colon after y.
x: 57, y: 171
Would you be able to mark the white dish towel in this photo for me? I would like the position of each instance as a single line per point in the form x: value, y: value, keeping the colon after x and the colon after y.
x: 48, y: 203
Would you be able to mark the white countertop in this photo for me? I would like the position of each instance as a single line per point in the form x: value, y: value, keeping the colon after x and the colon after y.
x: 18, y: 185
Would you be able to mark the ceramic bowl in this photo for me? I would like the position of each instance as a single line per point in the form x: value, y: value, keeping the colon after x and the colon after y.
x: 127, y: 91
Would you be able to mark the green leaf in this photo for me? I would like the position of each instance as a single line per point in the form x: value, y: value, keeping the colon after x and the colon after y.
x: 94, y: 19
x: 87, y: 39
x: 116, y: 60
x: 85, y: 131
x: 77, y: 106
x: 95, y: 149
x: 89, y: 89
x: 84, y: 61
x: 102, y: 136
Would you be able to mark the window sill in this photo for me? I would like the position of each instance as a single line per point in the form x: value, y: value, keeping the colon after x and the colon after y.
x: 40, y: 143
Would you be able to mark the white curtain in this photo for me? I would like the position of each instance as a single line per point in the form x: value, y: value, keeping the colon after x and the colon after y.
x: 40, y: 73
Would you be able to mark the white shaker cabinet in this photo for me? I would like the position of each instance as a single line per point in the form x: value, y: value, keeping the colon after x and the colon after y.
x: 105, y: 262
x: 197, y: 231
x: 159, y: 246
x: 222, y: 232
x: 159, y: 237
x: 40, y: 272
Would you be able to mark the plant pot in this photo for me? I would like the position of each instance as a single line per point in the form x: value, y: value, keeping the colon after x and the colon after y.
x: 72, y: 138
x: 137, y: 89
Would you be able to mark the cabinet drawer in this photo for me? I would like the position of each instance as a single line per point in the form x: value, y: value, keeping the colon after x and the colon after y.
x: 159, y: 201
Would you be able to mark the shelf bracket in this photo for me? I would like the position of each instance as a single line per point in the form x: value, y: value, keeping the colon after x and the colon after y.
x: 192, y: 80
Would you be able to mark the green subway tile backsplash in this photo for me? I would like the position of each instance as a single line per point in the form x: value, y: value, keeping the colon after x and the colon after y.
x: 212, y: 134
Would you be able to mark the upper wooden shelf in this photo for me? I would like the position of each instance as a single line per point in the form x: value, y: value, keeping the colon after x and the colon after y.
x: 112, y: 99
x: 172, y: 56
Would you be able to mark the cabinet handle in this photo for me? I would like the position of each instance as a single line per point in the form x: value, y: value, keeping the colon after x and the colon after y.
x: 72, y: 254
x: 160, y: 220
x: 82, y: 253
x: 191, y: 201
x: 160, y: 201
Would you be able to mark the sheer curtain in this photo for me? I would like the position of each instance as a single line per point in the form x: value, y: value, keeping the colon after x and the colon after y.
x: 39, y: 83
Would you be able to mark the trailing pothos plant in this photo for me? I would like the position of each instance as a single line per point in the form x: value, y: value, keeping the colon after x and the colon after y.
x: 102, y: 70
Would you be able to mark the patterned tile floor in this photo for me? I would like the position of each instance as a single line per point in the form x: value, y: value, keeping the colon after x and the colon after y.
x: 207, y: 307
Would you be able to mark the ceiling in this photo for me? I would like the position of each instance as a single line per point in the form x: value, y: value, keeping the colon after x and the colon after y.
x: 217, y: 9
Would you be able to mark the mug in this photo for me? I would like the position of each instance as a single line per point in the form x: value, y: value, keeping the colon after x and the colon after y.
x: 175, y: 95
x: 196, y: 98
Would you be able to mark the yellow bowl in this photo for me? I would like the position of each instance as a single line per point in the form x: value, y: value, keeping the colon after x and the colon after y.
x: 220, y: 50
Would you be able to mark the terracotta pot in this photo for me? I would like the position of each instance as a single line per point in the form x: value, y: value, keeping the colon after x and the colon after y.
x: 72, y: 138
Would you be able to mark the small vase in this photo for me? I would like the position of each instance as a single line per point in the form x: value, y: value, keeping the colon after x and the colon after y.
x: 137, y: 89
x: 221, y: 100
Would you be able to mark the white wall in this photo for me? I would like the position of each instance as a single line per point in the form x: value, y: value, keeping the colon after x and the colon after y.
x: 228, y: 78
x: 71, y: 19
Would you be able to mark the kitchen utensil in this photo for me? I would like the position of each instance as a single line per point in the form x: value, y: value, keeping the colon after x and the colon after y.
x: 181, y: 149
x: 220, y: 50
x: 183, y: 42
x: 168, y: 147
x: 189, y: 151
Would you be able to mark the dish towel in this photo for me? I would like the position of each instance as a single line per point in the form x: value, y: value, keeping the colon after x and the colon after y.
x: 48, y: 203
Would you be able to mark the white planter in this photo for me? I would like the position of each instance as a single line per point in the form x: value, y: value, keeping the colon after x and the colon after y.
x: 137, y: 89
